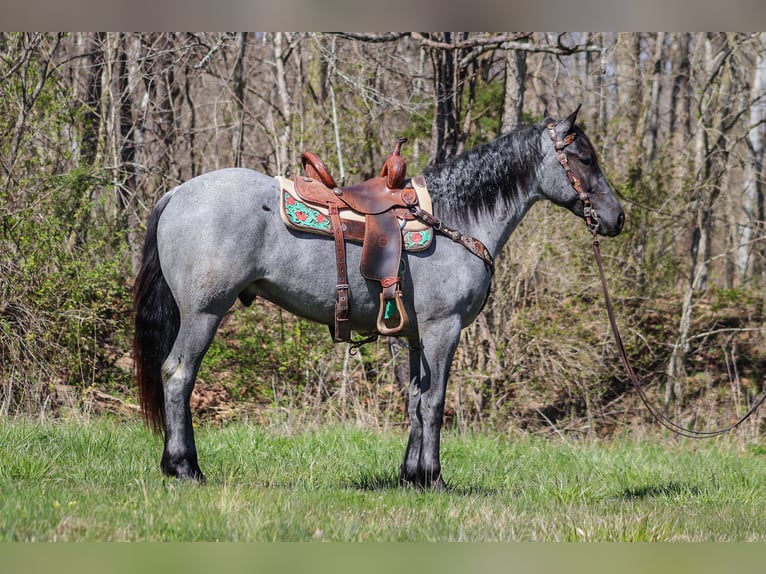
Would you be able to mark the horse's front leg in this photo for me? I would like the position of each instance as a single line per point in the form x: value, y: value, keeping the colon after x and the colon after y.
x: 429, y: 369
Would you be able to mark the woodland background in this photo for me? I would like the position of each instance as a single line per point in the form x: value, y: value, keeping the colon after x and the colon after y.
x: 95, y: 127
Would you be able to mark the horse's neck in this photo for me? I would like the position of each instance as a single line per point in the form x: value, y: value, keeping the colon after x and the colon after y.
x: 484, y: 193
x: 494, y: 230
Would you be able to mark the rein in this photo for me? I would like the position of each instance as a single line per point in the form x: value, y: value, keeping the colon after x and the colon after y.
x: 592, y: 221
x: 658, y: 416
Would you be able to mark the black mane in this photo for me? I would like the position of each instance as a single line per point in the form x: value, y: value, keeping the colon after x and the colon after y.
x: 488, y: 176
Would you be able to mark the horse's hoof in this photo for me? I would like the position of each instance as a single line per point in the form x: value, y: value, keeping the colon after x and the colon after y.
x: 407, y: 479
x: 422, y: 481
x: 183, y: 470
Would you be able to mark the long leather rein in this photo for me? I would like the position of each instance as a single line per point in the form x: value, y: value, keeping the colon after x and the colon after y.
x: 655, y: 412
x: 592, y: 221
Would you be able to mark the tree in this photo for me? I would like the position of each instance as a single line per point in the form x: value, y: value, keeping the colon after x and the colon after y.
x: 95, y: 127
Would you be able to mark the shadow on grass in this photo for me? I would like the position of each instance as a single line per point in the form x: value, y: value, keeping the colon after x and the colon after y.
x: 390, y: 481
x: 375, y: 481
x: 669, y: 489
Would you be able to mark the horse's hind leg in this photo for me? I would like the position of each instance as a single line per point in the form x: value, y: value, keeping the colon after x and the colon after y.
x: 179, y: 372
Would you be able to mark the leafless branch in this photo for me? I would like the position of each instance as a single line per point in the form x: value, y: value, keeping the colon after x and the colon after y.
x: 374, y: 38
x: 218, y: 45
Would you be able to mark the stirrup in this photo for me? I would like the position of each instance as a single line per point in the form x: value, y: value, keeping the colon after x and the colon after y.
x: 404, y: 321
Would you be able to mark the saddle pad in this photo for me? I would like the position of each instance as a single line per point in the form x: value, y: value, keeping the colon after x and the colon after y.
x: 416, y: 236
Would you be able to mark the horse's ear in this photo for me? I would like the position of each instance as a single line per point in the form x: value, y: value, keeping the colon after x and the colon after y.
x: 565, y: 126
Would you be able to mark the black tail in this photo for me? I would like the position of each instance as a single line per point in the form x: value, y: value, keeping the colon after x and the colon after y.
x: 156, y: 325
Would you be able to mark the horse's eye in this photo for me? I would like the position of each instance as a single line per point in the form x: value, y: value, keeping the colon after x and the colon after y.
x: 586, y: 160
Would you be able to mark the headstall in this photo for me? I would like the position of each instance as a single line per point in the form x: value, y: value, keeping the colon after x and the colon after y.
x: 590, y: 215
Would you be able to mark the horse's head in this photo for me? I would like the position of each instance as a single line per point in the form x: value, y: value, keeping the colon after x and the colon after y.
x: 571, y: 177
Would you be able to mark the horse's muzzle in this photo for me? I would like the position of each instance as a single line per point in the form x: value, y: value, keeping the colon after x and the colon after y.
x: 612, y: 230
x: 620, y: 223
x: 612, y: 225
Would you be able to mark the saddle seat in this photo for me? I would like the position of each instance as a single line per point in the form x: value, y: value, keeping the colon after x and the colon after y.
x: 370, y: 197
x: 375, y: 212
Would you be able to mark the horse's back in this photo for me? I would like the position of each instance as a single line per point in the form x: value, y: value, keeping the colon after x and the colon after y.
x: 228, y: 188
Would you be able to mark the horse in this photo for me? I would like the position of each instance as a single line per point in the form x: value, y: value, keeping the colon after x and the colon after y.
x: 218, y: 237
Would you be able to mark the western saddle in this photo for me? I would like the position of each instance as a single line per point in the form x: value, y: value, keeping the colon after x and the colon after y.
x: 383, y: 201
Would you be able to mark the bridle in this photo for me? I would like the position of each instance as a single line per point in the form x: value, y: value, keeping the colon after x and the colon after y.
x: 592, y: 221
x: 590, y: 215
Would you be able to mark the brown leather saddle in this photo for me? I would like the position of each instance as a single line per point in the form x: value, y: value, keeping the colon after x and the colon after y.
x: 383, y: 202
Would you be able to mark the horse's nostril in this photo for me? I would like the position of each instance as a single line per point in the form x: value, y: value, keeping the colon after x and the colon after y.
x: 620, y: 222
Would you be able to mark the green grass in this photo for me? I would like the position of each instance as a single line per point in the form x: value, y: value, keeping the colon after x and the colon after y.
x: 100, y: 480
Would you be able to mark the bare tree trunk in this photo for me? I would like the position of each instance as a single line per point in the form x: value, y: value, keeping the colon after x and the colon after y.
x: 127, y: 184
x: 629, y: 82
x: 284, y: 138
x: 712, y: 148
x: 444, y: 131
x: 513, y: 101
x: 317, y: 70
x: 711, y: 161
x: 91, y: 126
x: 239, y: 97
x: 334, y: 105
x: 595, y: 70
x: 121, y: 138
x: 191, y: 135
x: 644, y: 150
x: 750, y: 256
x: 652, y: 99
x: 680, y: 100
x: 465, y: 129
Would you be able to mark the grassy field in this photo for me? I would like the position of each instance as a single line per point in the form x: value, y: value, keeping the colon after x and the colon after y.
x: 100, y: 480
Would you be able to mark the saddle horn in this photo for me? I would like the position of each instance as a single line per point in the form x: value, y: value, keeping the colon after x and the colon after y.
x: 395, y: 168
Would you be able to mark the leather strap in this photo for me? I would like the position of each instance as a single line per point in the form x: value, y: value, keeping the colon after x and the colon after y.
x: 655, y: 412
x: 592, y: 222
x: 473, y: 245
x: 342, y: 331
x: 590, y: 215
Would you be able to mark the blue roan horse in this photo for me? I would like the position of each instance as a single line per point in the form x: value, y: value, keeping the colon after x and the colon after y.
x: 219, y: 237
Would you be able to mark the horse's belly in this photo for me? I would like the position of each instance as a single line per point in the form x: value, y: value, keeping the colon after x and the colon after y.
x: 302, y: 278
